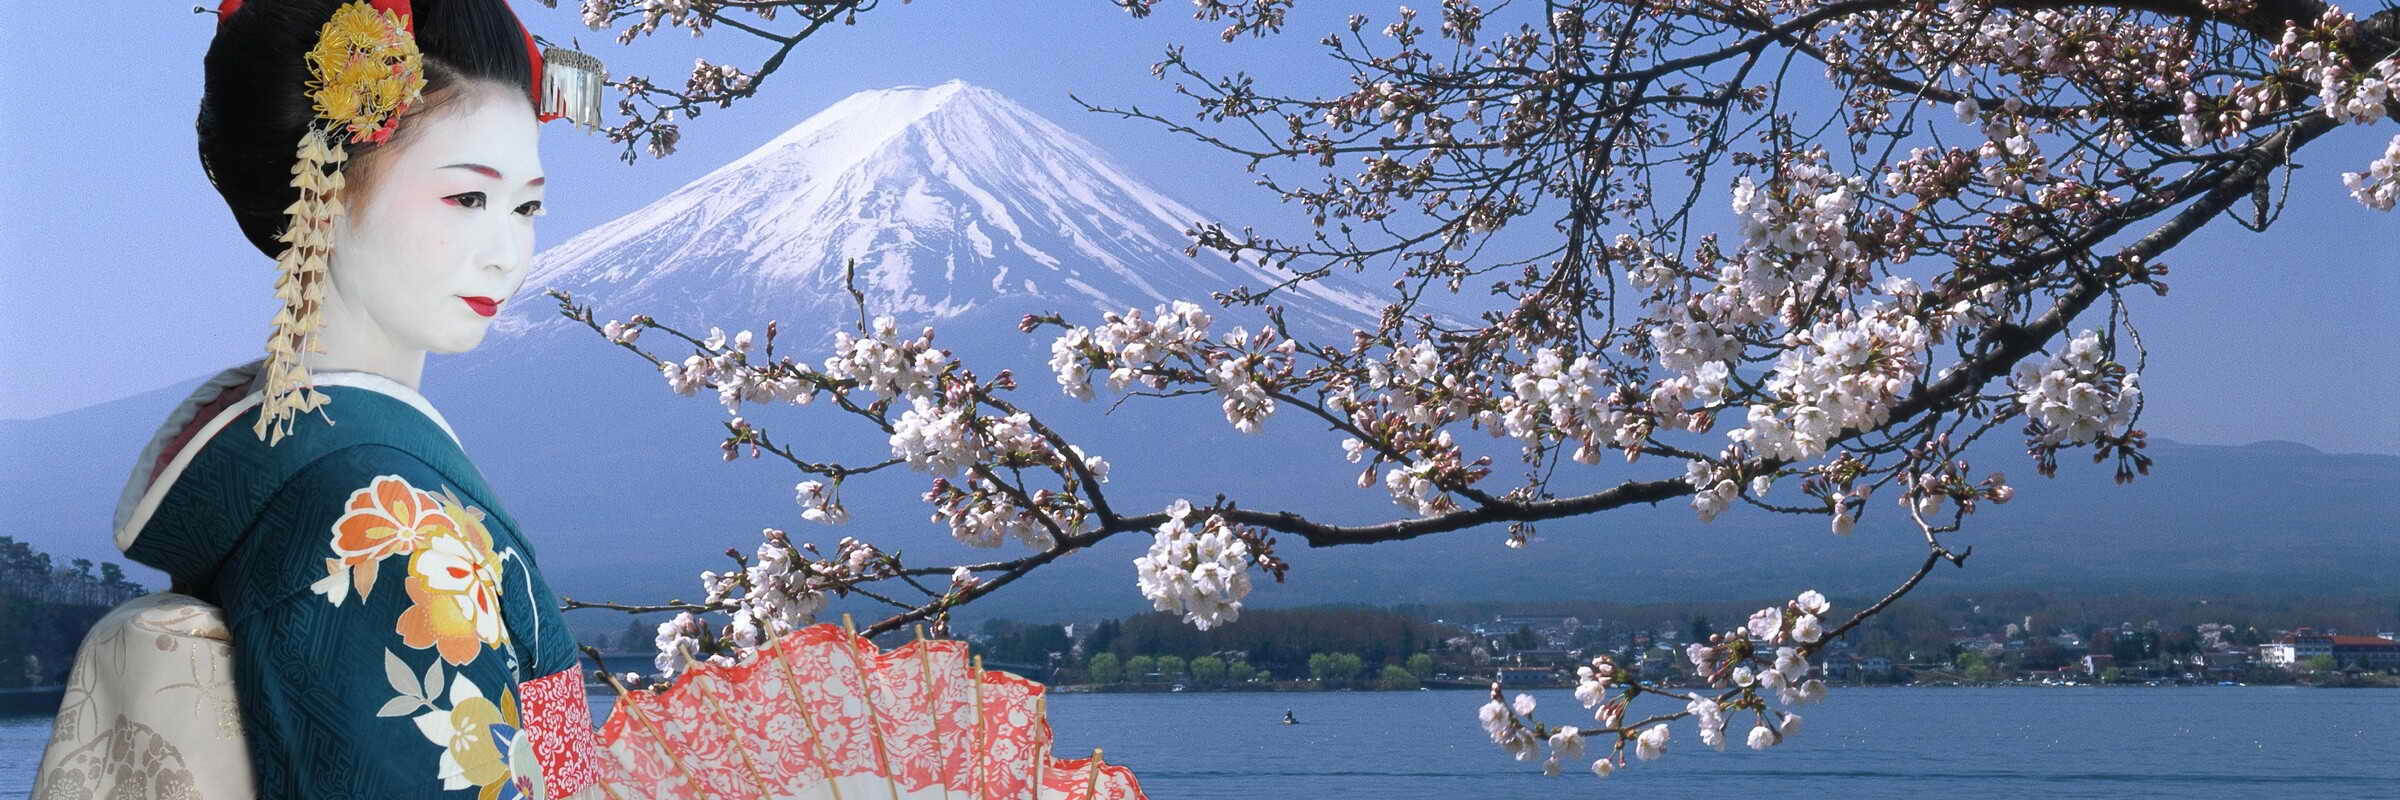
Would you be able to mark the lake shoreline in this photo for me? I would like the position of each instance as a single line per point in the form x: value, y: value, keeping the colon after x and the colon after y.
x: 1300, y: 687
x: 1896, y: 743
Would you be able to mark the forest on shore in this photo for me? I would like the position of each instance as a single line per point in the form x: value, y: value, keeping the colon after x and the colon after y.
x: 50, y: 606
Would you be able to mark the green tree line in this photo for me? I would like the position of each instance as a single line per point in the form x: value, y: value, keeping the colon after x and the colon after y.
x: 1281, y: 640
x: 1330, y: 670
x: 49, y: 607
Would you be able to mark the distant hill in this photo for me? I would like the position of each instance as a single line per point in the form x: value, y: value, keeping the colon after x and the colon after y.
x: 623, y: 490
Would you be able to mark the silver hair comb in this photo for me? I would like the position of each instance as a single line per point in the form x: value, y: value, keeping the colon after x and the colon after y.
x: 571, y: 82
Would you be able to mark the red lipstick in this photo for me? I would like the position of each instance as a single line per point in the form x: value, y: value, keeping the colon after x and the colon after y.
x: 482, y: 305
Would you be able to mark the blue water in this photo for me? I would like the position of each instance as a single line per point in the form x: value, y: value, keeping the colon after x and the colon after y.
x: 2231, y: 742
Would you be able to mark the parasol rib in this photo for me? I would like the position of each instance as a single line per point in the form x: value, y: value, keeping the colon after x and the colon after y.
x: 709, y: 701
x: 866, y: 695
x: 816, y: 741
x: 674, y: 759
x: 933, y: 700
x: 975, y: 690
x: 1041, y: 753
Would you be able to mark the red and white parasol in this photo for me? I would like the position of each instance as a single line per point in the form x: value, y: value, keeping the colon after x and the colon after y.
x: 824, y: 713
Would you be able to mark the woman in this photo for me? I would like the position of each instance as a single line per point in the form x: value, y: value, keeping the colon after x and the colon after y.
x: 390, y: 634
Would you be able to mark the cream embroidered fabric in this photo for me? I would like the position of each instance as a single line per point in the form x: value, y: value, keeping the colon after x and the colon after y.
x: 149, y: 710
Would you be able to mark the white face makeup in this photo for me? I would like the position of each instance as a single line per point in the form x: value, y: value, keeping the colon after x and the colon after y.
x: 435, y: 247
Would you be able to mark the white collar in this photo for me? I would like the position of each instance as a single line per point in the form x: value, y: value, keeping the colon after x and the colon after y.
x: 143, y: 490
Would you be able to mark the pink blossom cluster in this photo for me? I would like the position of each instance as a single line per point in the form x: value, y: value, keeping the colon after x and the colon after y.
x: 2010, y: 163
x: 1410, y: 397
x: 1414, y: 387
x: 1237, y: 370
x: 1132, y: 348
x: 1738, y: 662
x: 946, y: 440
x: 716, y: 79
x: 983, y: 513
x: 883, y: 363
x: 1416, y: 485
x: 1553, y: 399
x: 2077, y: 395
x: 941, y: 438
x: 1947, y: 481
x: 780, y: 590
x: 820, y: 502
x: 1795, y: 239
x: 1501, y: 722
x: 1200, y: 571
x: 1842, y: 374
x: 2379, y: 185
x: 938, y: 430
x: 600, y: 15
x: 1932, y: 174
x: 725, y: 366
x: 2315, y: 51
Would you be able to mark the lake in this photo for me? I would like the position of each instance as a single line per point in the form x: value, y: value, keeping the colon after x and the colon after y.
x: 2228, y: 742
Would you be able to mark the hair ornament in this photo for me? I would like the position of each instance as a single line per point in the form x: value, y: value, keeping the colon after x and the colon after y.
x: 570, y: 82
x: 364, y: 73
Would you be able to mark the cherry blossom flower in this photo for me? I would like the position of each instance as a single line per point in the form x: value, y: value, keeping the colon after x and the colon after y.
x: 1711, y: 719
x: 1652, y: 743
x: 1761, y: 737
x: 819, y: 502
x: 678, y: 643
x: 1807, y: 629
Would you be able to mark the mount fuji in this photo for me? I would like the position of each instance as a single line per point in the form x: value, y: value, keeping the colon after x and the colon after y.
x: 951, y: 199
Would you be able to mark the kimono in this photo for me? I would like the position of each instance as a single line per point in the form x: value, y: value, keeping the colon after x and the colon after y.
x: 390, y: 633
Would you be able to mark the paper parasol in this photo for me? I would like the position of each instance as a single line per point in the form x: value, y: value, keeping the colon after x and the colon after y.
x: 824, y: 713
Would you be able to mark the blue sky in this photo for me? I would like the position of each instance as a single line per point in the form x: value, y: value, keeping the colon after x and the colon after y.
x: 121, y: 272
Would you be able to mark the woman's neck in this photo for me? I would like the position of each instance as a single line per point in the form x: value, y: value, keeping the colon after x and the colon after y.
x: 352, y: 341
x: 404, y: 368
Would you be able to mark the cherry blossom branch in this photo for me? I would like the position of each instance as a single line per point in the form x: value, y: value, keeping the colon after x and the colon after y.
x: 1905, y: 279
x: 571, y: 604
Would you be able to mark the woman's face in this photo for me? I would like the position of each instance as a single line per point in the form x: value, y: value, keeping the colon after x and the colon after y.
x: 442, y: 235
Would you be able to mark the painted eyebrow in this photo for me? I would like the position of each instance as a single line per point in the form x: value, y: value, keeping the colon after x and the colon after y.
x: 488, y: 172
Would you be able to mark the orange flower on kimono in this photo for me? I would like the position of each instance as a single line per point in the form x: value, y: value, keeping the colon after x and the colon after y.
x: 388, y: 518
x: 454, y: 591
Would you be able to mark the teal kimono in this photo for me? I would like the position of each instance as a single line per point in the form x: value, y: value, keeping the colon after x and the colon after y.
x: 392, y: 635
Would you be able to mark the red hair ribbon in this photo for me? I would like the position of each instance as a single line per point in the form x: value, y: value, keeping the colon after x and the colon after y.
x: 398, y: 8
x: 533, y: 55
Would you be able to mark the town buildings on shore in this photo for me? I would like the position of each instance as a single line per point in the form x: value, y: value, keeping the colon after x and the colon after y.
x: 1544, y: 650
x: 2299, y: 648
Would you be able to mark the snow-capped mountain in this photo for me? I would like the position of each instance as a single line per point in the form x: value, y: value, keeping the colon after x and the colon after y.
x: 951, y: 198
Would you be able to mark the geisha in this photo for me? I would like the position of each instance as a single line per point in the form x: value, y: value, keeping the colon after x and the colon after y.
x: 366, y: 617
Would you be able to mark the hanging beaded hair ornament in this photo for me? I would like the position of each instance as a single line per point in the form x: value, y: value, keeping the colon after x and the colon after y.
x: 364, y: 74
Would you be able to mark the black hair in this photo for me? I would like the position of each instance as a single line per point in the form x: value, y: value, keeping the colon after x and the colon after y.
x: 254, y: 105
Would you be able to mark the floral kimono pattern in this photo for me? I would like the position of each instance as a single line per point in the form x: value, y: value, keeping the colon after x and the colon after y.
x: 391, y: 634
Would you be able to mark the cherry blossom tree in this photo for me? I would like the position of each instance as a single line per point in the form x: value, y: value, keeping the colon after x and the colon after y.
x: 1937, y: 209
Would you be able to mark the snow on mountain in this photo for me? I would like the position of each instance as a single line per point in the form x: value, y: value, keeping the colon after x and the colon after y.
x: 951, y: 198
